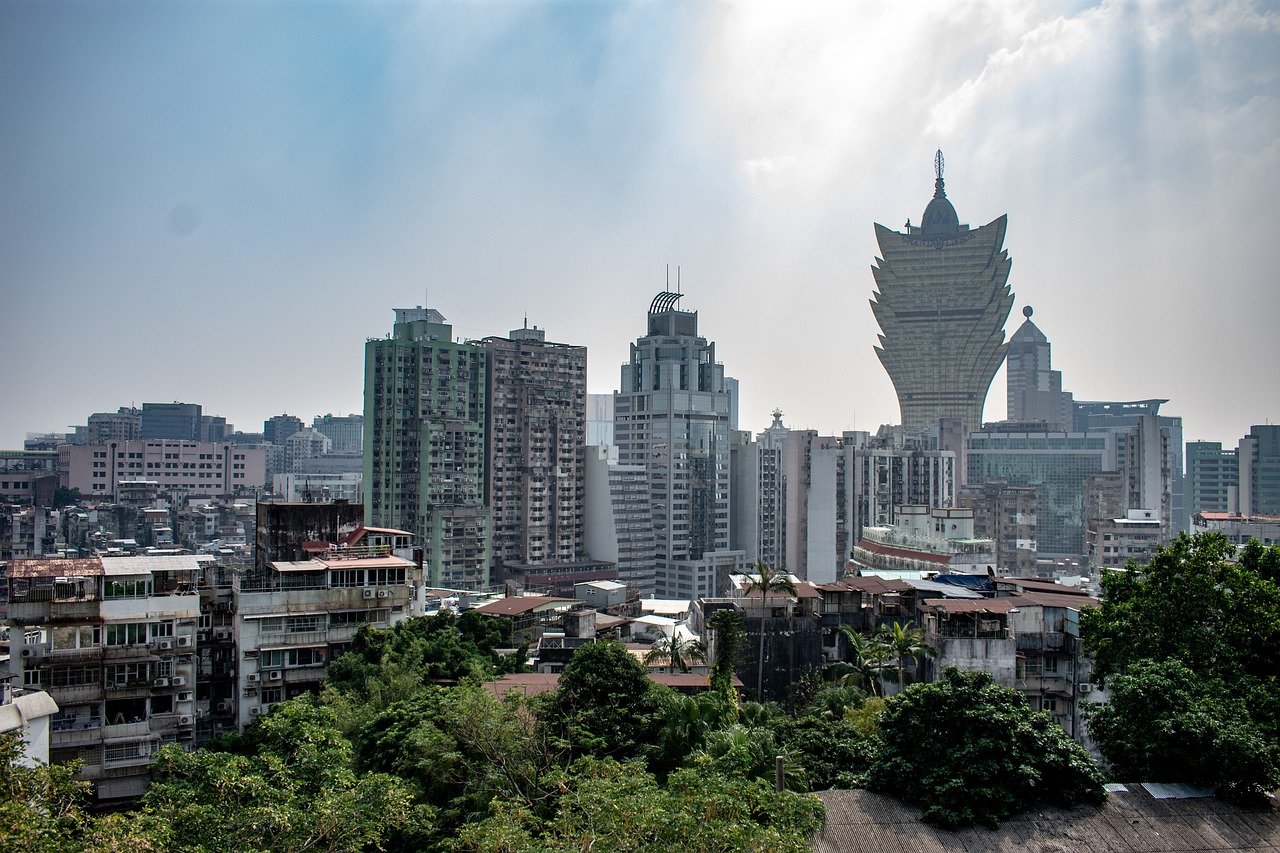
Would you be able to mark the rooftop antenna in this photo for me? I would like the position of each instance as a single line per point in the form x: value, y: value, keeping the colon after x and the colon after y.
x: 677, y: 278
x: 668, y: 286
x: 526, y: 319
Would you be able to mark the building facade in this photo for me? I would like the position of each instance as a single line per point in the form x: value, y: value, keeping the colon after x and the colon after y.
x: 179, y: 421
x: 941, y: 300
x: 1005, y: 514
x: 892, y: 469
x: 618, y: 517
x: 345, y: 431
x: 536, y: 437
x: 424, y: 415
x: 1259, y: 461
x: 672, y: 415
x: 1213, y: 478
x: 176, y: 467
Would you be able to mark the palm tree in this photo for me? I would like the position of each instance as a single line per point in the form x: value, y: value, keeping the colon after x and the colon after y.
x: 905, y: 643
x: 768, y: 582
x: 676, y: 652
x: 869, y: 659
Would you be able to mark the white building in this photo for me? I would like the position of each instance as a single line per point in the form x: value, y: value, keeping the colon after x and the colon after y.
x: 319, y: 488
x: 673, y: 415
x: 178, y: 467
x: 618, y: 517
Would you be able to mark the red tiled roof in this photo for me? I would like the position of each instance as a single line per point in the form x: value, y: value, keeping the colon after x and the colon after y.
x: 807, y: 590
x: 952, y: 606
x: 513, y: 605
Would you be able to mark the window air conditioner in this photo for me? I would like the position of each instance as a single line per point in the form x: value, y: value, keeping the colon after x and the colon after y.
x: 274, y: 675
x: 186, y: 720
x: 178, y: 681
x: 184, y: 642
x: 251, y: 677
x: 384, y: 593
x: 166, y: 644
x: 160, y: 682
x: 368, y: 593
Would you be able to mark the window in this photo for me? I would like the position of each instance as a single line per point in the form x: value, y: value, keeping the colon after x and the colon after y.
x: 304, y: 657
x: 160, y: 629
x: 127, y: 751
x: 128, y: 588
x: 122, y: 674
x: 299, y: 624
x: 271, y: 695
x: 126, y: 633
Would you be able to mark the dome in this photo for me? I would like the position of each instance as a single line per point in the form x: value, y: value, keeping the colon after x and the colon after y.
x: 939, y: 217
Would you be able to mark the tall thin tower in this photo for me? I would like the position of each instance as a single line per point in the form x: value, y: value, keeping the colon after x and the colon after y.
x: 941, y: 300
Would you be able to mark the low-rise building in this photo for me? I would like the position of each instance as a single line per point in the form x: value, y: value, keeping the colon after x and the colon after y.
x: 178, y: 467
x: 970, y: 634
x: 1113, y: 542
x: 1239, y: 528
x: 113, y: 642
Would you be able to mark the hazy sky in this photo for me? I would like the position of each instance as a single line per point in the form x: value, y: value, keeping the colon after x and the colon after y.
x: 219, y: 202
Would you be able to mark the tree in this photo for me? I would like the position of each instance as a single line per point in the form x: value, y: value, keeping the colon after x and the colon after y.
x: 605, y: 704
x: 1164, y: 722
x: 868, y: 662
x: 769, y: 582
x: 42, y: 808
x: 676, y: 652
x: 969, y: 750
x: 62, y: 497
x: 729, y: 637
x: 907, y: 644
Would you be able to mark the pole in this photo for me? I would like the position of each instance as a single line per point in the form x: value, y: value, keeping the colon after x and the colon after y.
x: 778, y: 782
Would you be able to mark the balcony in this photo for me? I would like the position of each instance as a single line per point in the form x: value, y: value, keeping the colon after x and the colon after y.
x: 75, y: 695
x: 122, y: 731
x: 1050, y: 641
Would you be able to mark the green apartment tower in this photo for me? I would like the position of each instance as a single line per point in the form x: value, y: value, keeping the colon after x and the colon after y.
x: 424, y: 445
x: 942, y: 299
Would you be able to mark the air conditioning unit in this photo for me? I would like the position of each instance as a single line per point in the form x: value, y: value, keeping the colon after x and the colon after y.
x: 26, y: 653
x: 274, y: 675
x: 253, y: 712
x: 384, y: 593
x: 251, y: 677
x: 160, y: 682
x: 186, y: 720
x: 184, y: 642
x: 1084, y: 688
x: 223, y: 707
x: 368, y: 593
x: 222, y: 634
x: 166, y: 644
x: 178, y: 681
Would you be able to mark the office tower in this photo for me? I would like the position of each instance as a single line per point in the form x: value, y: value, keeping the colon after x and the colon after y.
x: 1122, y: 416
x: 278, y: 428
x: 214, y: 428
x: 672, y: 415
x: 893, y: 469
x: 170, y: 420
x: 345, y: 431
x: 1057, y: 465
x: 1005, y: 514
x: 124, y: 424
x: 618, y: 517
x: 1213, y: 478
x: 1034, y: 388
x: 941, y: 302
x: 1259, y: 465
x: 536, y: 433
x: 424, y: 457
x: 1143, y: 454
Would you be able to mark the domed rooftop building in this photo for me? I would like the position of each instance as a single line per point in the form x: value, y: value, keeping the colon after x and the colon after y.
x: 941, y: 299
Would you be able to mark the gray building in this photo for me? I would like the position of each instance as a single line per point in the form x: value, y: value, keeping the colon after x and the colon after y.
x: 170, y: 420
x: 672, y: 415
x: 1121, y: 416
x: 1259, y: 458
x: 1213, y: 478
x: 1057, y: 465
x: 942, y: 299
x: 892, y: 469
x: 535, y: 437
x: 1034, y: 387
x: 618, y: 517
x: 279, y: 427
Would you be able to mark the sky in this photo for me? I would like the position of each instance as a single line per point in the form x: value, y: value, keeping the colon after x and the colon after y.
x: 220, y: 202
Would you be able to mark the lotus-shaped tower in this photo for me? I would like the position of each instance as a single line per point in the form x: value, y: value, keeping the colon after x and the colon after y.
x: 942, y: 298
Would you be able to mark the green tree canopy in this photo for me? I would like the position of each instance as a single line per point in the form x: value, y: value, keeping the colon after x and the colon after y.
x: 971, y: 751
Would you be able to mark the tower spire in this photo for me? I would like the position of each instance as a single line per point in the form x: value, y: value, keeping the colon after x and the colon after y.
x: 939, y: 186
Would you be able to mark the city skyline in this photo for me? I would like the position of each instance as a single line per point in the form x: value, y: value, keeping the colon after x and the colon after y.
x: 203, y: 193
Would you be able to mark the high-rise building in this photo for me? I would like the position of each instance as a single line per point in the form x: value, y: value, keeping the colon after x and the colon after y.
x: 672, y: 415
x: 1213, y: 478
x: 279, y: 427
x: 815, y: 537
x: 424, y: 445
x: 536, y: 435
x: 1057, y: 465
x: 758, y: 520
x: 345, y: 431
x: 599, y: 419
x: 942, y: 299
x: 125, y: 424
x: 618, y: 517
x: 893, y: 469
x: 170, y: 420
x: 1259, y: 465
x: 1034, y: 388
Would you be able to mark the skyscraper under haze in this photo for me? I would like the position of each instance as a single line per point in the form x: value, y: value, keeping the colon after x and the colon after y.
x: 942, y: 299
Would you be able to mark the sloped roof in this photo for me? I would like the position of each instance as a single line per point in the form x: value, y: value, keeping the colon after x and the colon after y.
x: 1131, y: 820
x: 1050, y: 599
x: 952, y: 606
x: 514, y: 605
x: 76, y: 567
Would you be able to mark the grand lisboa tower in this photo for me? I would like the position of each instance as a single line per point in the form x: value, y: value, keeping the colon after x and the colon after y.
x: 942, y: 298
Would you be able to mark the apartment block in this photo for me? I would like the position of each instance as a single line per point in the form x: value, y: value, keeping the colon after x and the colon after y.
x: 177, y: 467
x: 1005, y: 514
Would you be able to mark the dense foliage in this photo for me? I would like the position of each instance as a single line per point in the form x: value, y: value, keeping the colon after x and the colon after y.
x: 971, y: 751
x: 1189, y: 648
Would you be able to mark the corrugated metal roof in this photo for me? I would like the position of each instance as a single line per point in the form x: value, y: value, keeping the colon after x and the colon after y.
x: 517, y: 604
x: 77, y: 567
x: 150, y: 563
x: 953, y: 606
